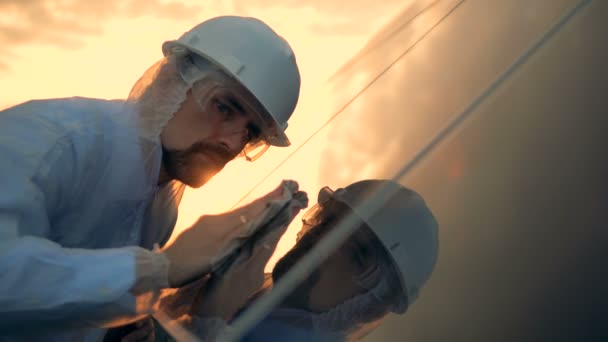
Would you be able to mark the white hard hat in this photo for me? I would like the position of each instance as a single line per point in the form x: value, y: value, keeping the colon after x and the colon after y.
x: 256, y: 56
x: 404, y: 225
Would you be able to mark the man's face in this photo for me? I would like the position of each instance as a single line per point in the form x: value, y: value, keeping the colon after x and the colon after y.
x: 338, y: 274
x: 204, y: 135
x: 334, y: 281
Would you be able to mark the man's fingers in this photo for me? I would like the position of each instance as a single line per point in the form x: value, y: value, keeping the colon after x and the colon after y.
x: 137, y: 335
x: 277, y: 192
x: 292, y: 185
x: 145, y: 328
x: 301, y: 199
x: 272, y: 238
x: 151, y: 337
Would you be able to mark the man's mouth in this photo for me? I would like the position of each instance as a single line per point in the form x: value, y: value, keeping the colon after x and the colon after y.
x: 216, y: 156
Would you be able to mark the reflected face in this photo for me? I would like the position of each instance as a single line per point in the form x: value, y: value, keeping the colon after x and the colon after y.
x: 335, y: 280
x: 204, y: 135
x: 338, y: 274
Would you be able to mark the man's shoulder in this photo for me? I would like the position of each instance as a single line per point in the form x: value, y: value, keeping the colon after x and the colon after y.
x: 40, y: 106
x: 60, y: 113
x: 74, y: 99
x: 29, y: 131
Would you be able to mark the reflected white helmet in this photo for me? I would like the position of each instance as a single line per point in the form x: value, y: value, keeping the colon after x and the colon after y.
x: 257, y: 57
x: 404, y: 225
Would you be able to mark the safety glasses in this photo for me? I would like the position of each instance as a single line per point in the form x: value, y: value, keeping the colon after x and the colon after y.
x: 329, y: 202
x: 222, y: 102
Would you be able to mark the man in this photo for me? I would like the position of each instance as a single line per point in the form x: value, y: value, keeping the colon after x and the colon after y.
x: 379, y: 269
x: 89, y: 186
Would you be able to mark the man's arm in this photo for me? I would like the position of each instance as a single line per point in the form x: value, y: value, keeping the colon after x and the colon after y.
x: 43, y: 284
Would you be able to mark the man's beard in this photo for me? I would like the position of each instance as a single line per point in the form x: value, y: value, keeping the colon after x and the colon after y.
x: 185, y: 167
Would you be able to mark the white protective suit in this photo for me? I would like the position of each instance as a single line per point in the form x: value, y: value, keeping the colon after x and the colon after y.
x: 78, y: 183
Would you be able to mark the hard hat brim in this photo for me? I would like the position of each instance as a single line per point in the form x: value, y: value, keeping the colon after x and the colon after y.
x: 280, y: 139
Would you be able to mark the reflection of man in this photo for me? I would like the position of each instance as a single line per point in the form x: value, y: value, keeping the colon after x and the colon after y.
x: 377, y: 270
x: 86, y: 183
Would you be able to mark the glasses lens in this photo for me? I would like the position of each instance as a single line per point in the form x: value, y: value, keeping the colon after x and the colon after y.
x: 254, y: 150
x: 218, y: 99
x: 309, y: 220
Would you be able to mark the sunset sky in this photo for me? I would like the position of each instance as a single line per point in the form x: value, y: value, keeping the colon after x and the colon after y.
x: 517, y: 186
x: 65, y: 48
x: 54, y: 48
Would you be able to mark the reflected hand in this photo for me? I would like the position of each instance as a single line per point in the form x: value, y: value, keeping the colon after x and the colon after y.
x: 195, y: 250
x: 140, y: 331
x: 223, y: 297
x: 144, y: 331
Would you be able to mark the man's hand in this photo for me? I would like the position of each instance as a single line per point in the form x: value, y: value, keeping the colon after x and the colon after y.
x: 223, y: 297
x: 144, y: 332
x: 140, y: 331
x: 191, y: 255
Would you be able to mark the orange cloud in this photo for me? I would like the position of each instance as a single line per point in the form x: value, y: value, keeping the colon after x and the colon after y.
x: 335, y: 17
x: 67, y: 23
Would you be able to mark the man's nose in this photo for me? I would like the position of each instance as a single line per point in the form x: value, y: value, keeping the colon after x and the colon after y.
x: 234, y: 141
x: 232, y: 134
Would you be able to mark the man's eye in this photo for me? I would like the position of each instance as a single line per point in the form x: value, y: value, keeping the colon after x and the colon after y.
x: 253, y: 133
x: 361, y: 256
x: 358, y: 258
x: 224, y: 109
